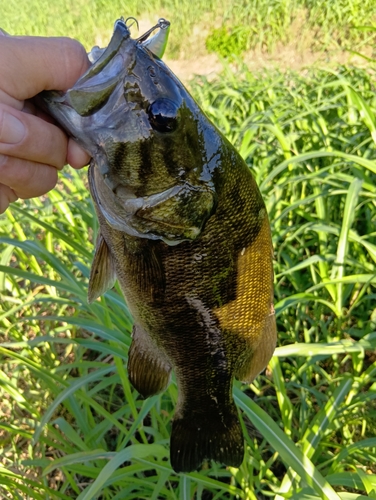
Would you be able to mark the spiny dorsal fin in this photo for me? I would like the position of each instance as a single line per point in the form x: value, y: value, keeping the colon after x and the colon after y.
x: 102, y: 274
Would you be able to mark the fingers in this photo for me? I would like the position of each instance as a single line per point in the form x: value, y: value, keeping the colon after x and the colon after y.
x: 32, y: 147
x: 10, y: 101
x: 32, y: 64
x: 25, y: 136
x: 25, y: 178
x: 7, y: 196
x: 31, y: 151
x: 76, y: 156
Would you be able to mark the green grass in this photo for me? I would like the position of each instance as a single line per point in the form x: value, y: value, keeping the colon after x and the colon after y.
x: 228, y: 27
x: 71, y: 426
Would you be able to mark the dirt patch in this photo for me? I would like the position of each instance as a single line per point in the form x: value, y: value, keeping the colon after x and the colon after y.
x: 283, y: 58
x: 186, y: 69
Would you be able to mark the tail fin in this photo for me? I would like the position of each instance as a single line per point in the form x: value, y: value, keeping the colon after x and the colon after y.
x: 194, y: 439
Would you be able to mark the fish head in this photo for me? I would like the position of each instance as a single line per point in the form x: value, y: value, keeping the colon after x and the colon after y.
x: 145, y: 133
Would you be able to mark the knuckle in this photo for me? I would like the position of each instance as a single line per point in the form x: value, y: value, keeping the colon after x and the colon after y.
x: 55, y: 147
x: 5, y: 163
x: 42, y: 179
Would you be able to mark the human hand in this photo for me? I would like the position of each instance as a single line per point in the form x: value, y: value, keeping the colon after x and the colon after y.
x: 32, y: 147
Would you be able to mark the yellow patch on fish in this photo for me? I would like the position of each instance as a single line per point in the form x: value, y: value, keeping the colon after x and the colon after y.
x: 251, y: 315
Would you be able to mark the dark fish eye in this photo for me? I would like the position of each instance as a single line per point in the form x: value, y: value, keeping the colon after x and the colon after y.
x: 163, y: 115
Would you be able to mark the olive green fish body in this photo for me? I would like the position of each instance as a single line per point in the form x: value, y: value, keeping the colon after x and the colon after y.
x: 184, y: 229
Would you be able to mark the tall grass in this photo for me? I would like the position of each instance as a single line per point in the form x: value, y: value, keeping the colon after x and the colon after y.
x: 227, y: 25
x: 71, y: 426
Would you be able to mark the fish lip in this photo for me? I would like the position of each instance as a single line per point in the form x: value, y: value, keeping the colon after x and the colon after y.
x: 120, y: 35
x: 52, y: 97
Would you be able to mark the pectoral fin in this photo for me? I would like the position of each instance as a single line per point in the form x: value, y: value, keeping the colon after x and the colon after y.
x: 102, y: 275
x: 146, y: 271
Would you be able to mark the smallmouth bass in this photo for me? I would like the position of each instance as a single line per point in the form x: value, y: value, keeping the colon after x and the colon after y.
x: 184, y: 229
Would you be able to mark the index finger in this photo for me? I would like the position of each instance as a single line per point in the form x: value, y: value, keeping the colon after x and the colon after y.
x: 32, y: 64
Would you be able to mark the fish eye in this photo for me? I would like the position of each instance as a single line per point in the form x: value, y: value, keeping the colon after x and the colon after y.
x: 163, y: 115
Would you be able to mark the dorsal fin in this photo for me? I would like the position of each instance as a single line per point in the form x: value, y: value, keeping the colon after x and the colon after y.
x: 102, y: 274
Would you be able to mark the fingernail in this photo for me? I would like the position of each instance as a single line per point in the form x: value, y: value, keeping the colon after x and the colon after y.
x: 13, y: 129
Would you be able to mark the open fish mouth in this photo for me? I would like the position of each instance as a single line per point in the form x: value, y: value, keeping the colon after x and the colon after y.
x: 94, y: 88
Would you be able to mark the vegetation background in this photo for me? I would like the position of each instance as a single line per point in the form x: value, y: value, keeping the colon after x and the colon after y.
x: 71, y: 426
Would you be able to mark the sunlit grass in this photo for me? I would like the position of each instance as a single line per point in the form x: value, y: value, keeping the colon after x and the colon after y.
x: 71, y: 426
x: 242, y: 24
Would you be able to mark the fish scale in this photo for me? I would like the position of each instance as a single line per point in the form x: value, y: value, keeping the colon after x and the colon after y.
x: 184, y: 229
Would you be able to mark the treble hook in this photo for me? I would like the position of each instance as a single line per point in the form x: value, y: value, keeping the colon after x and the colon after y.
x: 133, y: 19
x: 162, y: 24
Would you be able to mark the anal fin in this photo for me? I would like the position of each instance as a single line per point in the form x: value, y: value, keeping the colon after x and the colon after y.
x: 148, y: 368
x: 102, y: 274
x: 254, y: 359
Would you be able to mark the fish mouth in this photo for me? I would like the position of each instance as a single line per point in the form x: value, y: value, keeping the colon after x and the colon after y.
x: 51, y: 100
x: 101, y: 82
x: 102, y: 61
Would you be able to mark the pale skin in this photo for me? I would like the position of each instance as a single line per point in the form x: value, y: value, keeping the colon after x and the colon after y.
x: 32, y: 146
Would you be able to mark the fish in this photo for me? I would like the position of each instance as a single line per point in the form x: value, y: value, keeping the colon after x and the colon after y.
x: 185, y: 231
